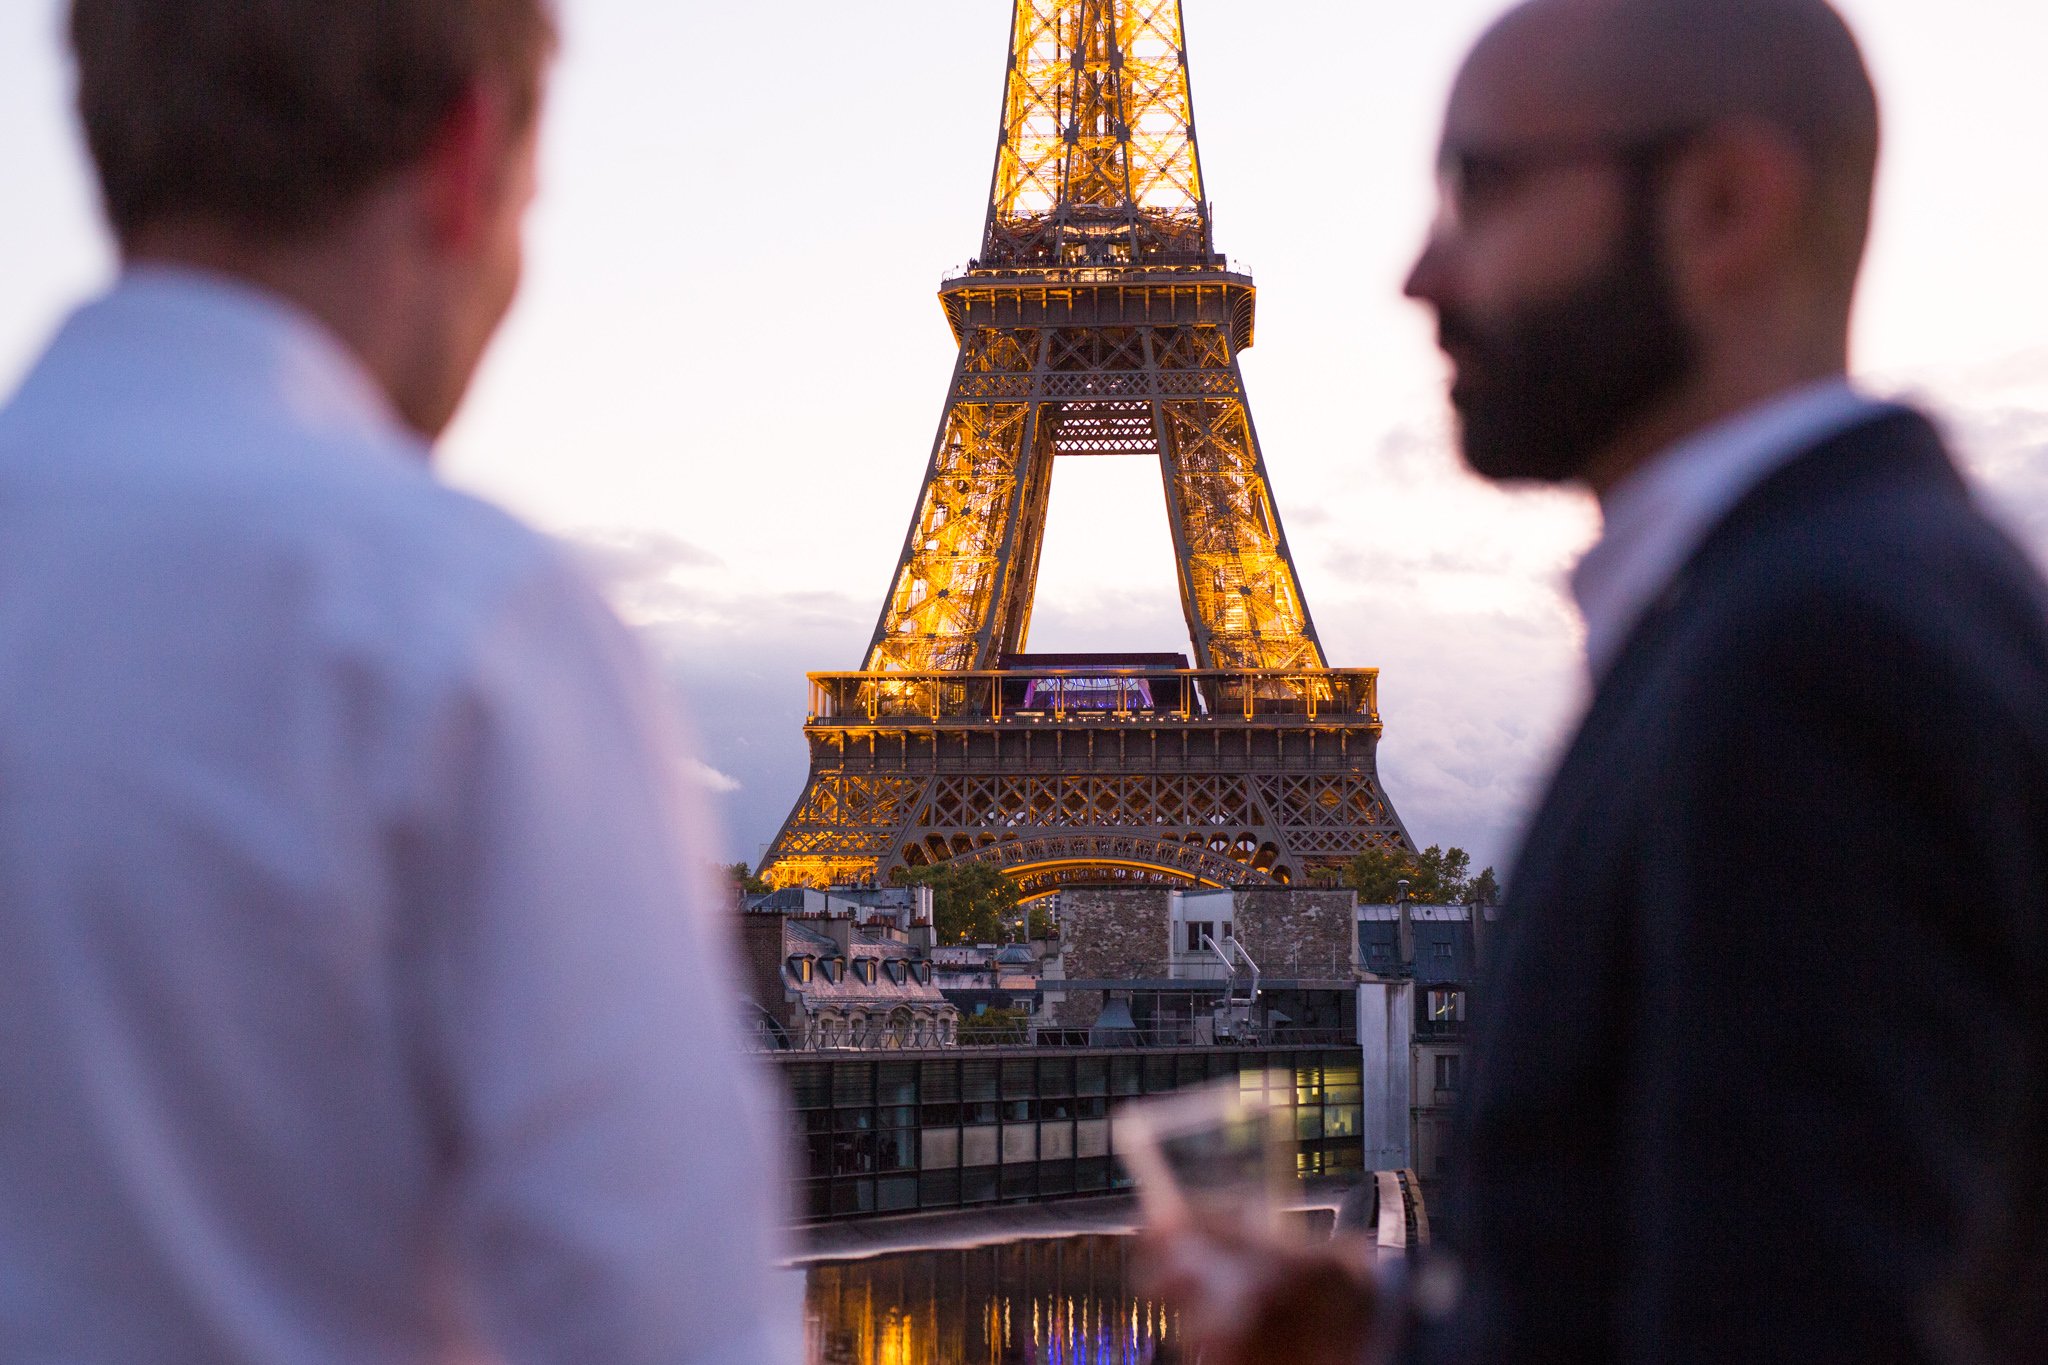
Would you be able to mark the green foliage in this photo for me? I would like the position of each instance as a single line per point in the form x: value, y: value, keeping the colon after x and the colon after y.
x: 995, y: 1027
x: 1435, y: 876
x: 1440, y: 875
x: 744, y: 882
x: 1483, y: 889
x: 971, y: 902
x: 1373, y: 874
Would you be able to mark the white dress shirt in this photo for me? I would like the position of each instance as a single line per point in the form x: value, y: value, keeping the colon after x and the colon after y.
x: 363, y: 993
x: 1658, y: 516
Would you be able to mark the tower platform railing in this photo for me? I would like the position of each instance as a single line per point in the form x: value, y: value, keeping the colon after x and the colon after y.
x: 1098, y: 272
x: 1096, y: 695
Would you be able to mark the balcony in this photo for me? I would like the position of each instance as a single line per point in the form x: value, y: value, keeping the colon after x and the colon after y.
x: 1104, y: 696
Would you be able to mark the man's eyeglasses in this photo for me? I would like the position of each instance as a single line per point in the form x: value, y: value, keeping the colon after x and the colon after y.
x: 1474, y: 182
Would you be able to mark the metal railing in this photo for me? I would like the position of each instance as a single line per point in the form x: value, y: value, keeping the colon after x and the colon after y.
x: 1154, y: 266
x: 1036, y: 1037
x: 1050, y: 695
x: 1178, y: 1034
x: 1276, y: 963
x: 872, y: 1039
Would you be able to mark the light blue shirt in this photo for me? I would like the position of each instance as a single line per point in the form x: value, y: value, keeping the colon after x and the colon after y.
x: 363, y: 992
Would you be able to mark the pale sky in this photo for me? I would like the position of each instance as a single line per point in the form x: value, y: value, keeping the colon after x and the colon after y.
x: 727, y: 366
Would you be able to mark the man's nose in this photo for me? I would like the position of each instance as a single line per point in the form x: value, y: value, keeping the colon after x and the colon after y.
x: 1428, y: 277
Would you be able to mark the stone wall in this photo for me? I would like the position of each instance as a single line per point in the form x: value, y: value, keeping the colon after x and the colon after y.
x: 1123, y: 933
x: 1110, y: 934
x: 1292, y: 932
x: 1114, y: 933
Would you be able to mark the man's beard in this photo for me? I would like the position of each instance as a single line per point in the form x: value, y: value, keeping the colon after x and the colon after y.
x: 1542, y: 393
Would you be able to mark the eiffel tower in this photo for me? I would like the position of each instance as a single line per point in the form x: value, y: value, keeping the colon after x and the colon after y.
x: 1098, y: 320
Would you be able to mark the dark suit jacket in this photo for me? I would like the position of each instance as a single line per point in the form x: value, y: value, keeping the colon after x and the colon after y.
x: 1769, y: 979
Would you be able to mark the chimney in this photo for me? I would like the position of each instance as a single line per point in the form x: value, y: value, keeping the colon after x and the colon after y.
x: 924, y: 935
x: 1479, y: 931
x: 839, y: 928
x: 1406, y: 932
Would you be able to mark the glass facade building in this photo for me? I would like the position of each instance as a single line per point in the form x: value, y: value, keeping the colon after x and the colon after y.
x: 970, y: 1127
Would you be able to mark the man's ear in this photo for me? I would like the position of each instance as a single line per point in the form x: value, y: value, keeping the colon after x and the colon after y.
x: 461, y: 177
x: 1733, y: 213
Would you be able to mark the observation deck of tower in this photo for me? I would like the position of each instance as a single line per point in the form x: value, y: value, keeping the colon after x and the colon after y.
x: 1097, y: 320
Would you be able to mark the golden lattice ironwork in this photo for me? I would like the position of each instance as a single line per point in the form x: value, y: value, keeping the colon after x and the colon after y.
x: 1098, y: 162
x: 1022, y: 397
x: 1099, y: 320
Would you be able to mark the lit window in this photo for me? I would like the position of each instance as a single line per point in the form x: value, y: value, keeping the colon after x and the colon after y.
x: 1446, y: 1006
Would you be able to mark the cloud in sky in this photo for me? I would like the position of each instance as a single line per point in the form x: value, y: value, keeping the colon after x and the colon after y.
x: 650, y: 575
x: 1453, y: 588
x: 1998, y: 418
x: 735, y: 654
x: 711, y: 779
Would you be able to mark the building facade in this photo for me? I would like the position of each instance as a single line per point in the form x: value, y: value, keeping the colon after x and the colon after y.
x: 902, y: 1102
x: 847, y: 969
x: 1427, y: 957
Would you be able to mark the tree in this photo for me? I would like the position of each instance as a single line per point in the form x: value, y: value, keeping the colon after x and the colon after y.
x: 1374, y: 873
x: 745, y: 882
x: 1042, y: 925
x: 1439, y: 875
x: 1435, y: 876
x: 994, y: 1028
x: 971, y: 902
x: 1483, y: 889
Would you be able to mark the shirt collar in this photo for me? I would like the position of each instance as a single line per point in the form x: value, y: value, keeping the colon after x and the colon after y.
x: 185, y: 326
x: 1658, y: 516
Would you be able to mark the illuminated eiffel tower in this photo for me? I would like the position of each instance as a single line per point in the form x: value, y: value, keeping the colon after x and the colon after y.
x: 1099, y: 319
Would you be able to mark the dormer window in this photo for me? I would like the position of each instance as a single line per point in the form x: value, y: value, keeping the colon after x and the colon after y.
x: 835, y: 969
x: 923, y: 971
x: 800, y: 965
x: 864, y: 970
x: 897, y: 970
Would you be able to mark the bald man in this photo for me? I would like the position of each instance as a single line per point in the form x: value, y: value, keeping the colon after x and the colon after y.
x: 1758, y: 1049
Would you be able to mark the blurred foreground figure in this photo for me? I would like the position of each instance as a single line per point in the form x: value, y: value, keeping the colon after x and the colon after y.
x: 1759, y: 1066
x: 361, y: 995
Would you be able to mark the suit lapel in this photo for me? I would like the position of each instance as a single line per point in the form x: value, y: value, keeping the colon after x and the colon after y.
x: 1576, y: 845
